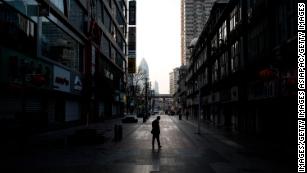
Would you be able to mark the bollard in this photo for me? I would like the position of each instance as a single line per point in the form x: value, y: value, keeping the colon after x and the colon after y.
x: 115, y: 132
x: 120, y: 132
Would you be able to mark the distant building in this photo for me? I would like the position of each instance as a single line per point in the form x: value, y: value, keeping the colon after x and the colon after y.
x: 156, y: 87
x: 173, y: 79
x: 143, y: 70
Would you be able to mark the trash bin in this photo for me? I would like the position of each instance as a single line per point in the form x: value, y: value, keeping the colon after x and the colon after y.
x: 144, y: 119
x: 118, y: 132
x: 115, y: 132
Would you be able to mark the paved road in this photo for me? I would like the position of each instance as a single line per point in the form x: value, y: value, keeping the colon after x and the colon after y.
x: 183, y: 151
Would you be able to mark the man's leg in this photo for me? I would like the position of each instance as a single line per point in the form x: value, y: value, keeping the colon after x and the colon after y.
x: 153, y: 141
x: 158, y: 140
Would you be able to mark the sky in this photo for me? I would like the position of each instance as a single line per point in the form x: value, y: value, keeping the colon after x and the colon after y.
x: 158, y: 38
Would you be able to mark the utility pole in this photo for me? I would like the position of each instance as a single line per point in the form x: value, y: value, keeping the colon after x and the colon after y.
x: 199, y: 109
x: 146, y: 96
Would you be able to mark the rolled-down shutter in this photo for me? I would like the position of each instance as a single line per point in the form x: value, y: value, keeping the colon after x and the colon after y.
x: 33, y: 105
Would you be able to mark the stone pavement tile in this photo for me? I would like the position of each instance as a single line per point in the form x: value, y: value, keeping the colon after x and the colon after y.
x: 210, y: 155
x: 187, y: 169
x: 222, y: 167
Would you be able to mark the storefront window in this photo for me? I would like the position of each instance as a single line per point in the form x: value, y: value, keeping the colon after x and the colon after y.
x: 17, y: 30
x: 28, y: 8
x: 59, y: 46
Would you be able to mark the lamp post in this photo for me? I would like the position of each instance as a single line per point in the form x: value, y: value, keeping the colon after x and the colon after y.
x: 199, y: 108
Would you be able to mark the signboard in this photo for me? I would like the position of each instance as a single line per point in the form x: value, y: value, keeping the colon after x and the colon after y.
x: 19, y: 69
x: 131, y: 65
x: 61, y: 79
x: 132, y: 12
x: 76, y: 83
x: 131, y: 39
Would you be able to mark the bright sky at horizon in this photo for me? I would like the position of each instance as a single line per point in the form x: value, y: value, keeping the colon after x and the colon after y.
x: 158, y: 38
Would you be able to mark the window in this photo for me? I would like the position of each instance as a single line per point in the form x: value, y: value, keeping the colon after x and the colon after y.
x: 28, y: 8
x: 99, y: 11
x: 59, y: 4
x: 93, y: 60
x: 107, y: 20
x: 215, y: 70
x: 203, y: 56
x: 119, y: 60
x: 235, y: 57
x: 222, y: 34
x: 59, y: 46
x: 105, y: 46
x: 206, y: 76
x: 250, y: 7
x: 235, y: 18
x: 16, y: 30
x: 224, y: 65
x: 214, y: 44
x: 113, y: 54
x: 77, y: 16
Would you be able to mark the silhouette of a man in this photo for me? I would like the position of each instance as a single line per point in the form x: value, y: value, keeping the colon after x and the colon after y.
x: 156, y: 132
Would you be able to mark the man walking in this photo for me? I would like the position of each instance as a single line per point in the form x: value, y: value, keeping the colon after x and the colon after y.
x: 156, y: 132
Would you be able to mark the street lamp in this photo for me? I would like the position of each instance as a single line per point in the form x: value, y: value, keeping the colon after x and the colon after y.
x: 199, y: 108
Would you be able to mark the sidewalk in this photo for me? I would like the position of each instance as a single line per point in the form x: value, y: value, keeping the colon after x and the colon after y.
x: 246, y: 143
x: 60, y: 138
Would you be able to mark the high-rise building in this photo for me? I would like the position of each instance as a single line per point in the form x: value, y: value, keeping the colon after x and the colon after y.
x: 143, y: 73
x: 173, y: 78
x: 143, y: 68
x: 156, y: 87
x: 194, y: 15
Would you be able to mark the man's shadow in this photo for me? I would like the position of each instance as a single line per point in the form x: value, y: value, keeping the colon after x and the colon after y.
x: 155, y: 157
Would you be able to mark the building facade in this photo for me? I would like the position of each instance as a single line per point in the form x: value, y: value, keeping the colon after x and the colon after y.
x: 62, y: 62
x: 243, y: 68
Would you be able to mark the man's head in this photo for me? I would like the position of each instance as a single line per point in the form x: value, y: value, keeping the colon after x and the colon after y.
x: 158, y: 117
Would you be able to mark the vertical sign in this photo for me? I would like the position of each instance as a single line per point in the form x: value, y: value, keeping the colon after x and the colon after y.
x: 132, y: 12
x: 131, y: 65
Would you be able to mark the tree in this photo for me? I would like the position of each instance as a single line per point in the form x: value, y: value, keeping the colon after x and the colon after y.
x: 134, y: 90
